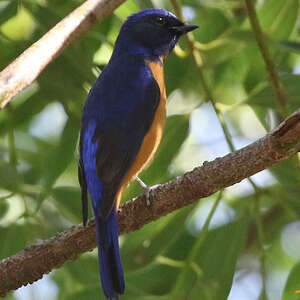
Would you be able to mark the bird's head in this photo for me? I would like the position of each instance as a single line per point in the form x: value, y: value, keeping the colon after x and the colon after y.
x: 151, y: 32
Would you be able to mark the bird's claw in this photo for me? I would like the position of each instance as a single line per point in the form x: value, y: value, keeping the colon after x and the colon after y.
x: 147, y: 189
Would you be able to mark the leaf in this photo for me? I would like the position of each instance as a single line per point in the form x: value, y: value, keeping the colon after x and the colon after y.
x: 23, y: 112
x: 292, y: 287
x: 3, y: 208
x: 9, y: 10
x: 67, y: 200
x: 87, y: 294
x: 10, y: 297
x: 287, y: 173
x: 77, y: 277
x: 85, y: 270
x: 154, y: 279
x: 187, y: 70
x: 9, y: 178
x: 229, y: 78
x: 13, y: 239
x: 265, y: 95
x: 141, y: 247
x: 61, y: 155
x: 125, y: 10
x: 216, y: 258
x: 262, y: 115
x: 278, y: 17
x: 212, y: 23
x: 212, y: 269
x: 294, y: 46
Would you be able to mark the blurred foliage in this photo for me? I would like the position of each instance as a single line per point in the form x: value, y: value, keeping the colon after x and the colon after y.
x: 252, y: 231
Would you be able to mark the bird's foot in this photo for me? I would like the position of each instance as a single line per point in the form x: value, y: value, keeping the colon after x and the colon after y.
x: 147, y: 189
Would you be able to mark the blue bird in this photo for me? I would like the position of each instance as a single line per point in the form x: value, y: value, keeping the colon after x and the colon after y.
x: 122, y: 125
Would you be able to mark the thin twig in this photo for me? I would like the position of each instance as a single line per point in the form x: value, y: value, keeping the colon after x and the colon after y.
x: 265, y: 52
x: 30, y: 264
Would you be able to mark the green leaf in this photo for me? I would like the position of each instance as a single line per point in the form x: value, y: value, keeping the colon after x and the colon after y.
x: 23, y: 112
x: 278, y: 17
x: 61, y: 155
x: 212, y: 270
x: 186, y: 68
x: 85, y: 270
x: 265, y: 95
x: 10, y: 296
x: 287, y: 173
x: 79, y: 276
x: 155, y: 279
x: 8, y: 10
x: 90, y: 293
x: 262, y: 115
x: 3, y: 208
x: 141, y: 247
x: 294, y: 46
x: 212, y: 23
x: 292, y: 286
x: 13, y: 239
x: 9, y: 178
x: 68, y: 202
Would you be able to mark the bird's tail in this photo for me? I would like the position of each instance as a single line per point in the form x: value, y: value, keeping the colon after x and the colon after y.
x: 111, y: 271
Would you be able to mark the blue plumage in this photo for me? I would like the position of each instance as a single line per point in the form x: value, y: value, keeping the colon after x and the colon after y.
x: 117, y: 115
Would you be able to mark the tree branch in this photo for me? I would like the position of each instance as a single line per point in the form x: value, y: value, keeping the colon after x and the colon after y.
x: 27, y: 67
x: 30, y: 264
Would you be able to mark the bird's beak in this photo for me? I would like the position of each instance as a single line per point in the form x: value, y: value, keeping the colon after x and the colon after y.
x: 185, y: 28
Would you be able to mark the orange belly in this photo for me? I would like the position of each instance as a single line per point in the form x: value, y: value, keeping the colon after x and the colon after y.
x: 153, y: 136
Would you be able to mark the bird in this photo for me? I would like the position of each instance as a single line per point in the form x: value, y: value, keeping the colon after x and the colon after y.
x: 121, y: 127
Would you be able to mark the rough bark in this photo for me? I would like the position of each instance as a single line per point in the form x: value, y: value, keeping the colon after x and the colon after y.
x: 30, y: 264
x: 24, y: 70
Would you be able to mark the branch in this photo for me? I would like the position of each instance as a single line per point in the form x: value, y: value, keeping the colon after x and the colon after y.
x: 27, y: 67
x: 265, y: 52
x: 30, y: 264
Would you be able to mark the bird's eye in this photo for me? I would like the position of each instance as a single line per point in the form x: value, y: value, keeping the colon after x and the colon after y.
x: 160, y: 21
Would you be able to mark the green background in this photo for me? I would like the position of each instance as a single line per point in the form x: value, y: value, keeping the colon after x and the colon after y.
x: 254, y: 235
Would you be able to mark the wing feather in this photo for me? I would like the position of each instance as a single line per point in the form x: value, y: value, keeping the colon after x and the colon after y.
x: 123, y: 112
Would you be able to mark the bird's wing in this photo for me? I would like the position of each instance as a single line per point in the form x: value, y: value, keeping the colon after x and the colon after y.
x: 118, y: 135
x: 118, y: 148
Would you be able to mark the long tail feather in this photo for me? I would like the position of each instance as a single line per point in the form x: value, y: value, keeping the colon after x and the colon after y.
x: 111, y: 271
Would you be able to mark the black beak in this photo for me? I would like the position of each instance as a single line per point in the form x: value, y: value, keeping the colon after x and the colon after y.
x: 185, y: 28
